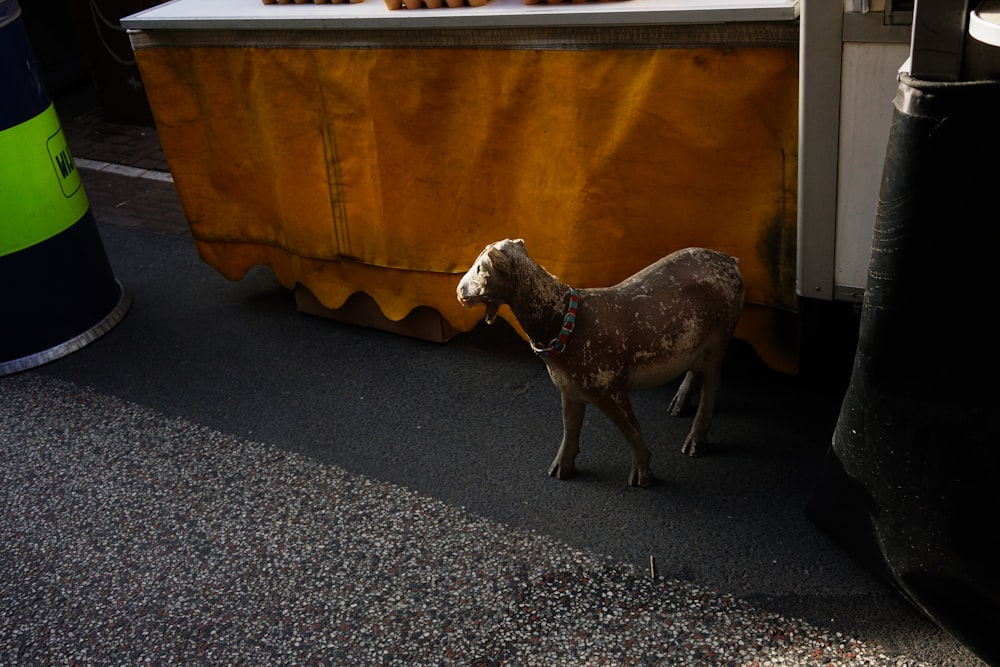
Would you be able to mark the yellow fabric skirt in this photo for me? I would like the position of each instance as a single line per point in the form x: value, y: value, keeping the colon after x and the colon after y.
x: 387, y: 170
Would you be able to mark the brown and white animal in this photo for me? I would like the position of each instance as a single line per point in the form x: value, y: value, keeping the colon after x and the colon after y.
x: 675, y: 316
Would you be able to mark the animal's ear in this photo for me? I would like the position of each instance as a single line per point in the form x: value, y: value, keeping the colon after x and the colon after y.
x: 519, y: 242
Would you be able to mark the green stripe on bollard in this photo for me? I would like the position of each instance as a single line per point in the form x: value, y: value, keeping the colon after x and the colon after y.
x: 40, y: 189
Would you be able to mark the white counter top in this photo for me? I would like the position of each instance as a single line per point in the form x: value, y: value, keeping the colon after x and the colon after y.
x: 255, y: 15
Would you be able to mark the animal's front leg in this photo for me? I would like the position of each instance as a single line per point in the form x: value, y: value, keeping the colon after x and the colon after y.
x: 618, y: 408
x: 563, y: 467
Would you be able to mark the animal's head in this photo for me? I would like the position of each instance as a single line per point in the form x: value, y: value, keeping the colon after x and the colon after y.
x: 491, y: 277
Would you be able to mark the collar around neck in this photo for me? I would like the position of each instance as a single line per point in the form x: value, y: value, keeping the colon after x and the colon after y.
x: 558, y: 344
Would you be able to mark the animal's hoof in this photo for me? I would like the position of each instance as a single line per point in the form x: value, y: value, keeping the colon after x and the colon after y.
x: 693, y: 448
x: 641, y: 478
x: 561, y: 471
x: 678, y: 407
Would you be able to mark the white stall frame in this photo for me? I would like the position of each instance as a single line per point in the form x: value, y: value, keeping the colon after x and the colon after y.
x: 849, y: 63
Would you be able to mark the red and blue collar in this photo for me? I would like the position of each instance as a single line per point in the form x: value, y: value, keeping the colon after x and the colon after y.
x: 558, y: 344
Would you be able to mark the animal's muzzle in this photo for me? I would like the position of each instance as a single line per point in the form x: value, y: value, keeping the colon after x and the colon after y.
x: 465, y: 296
x: 470, y: 290
x: 469, y: 294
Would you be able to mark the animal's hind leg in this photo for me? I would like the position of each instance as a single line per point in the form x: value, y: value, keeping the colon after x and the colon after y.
x: 681, y: 401
x: 618, y: 409
x: 696, y: 442
x: 563, y: 467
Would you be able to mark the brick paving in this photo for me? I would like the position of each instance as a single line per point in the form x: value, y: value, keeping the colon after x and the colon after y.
x: 91, y: 137
x: 108, y: 156
x: 129, y: 201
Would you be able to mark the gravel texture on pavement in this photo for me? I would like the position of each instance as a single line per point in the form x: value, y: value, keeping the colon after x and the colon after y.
x: 131, y: 537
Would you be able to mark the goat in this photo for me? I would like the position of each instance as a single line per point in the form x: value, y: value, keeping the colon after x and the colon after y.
x: 675, y: 316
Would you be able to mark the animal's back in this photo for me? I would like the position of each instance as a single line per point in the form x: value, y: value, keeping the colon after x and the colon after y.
x: 692, y: 276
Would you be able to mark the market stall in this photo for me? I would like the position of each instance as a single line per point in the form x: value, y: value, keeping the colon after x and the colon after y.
x: 354, y: 148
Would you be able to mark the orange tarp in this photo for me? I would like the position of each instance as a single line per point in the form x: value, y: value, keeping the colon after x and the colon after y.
x: 386, y: 171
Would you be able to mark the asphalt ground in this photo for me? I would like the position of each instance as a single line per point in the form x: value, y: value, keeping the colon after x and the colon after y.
x: 466, y: 428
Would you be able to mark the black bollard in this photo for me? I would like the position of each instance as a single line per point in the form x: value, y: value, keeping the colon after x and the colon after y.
x: 911, y: 484
x: 57, y: 289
